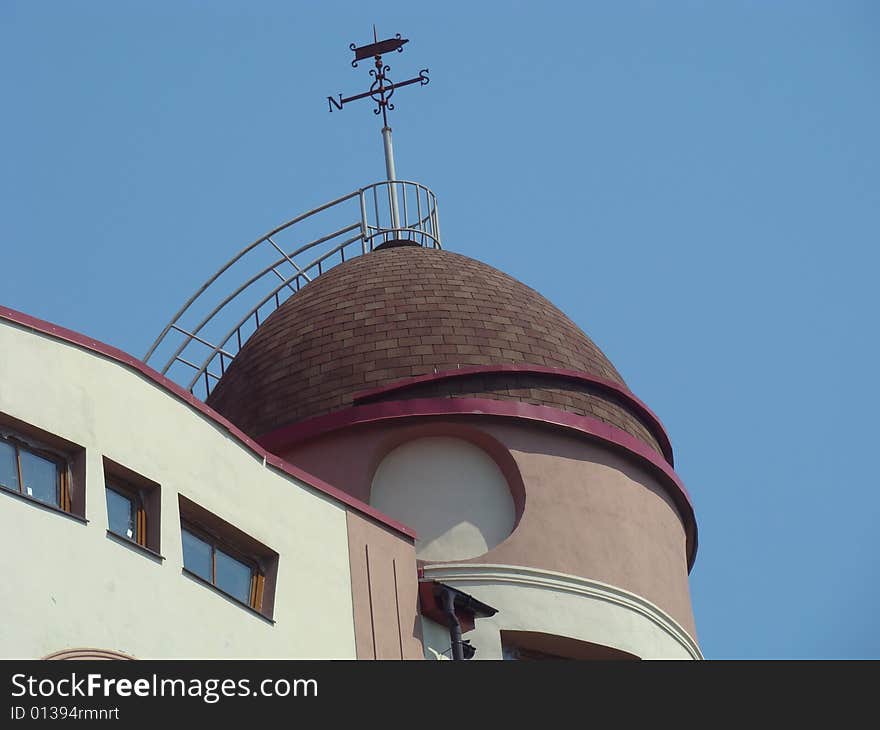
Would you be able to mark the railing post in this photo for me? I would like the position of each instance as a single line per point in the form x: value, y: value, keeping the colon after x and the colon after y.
x: 363, y: 220
x: 419, y: 220
x: 435, y: 223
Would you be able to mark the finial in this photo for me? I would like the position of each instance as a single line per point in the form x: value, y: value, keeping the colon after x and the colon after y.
x: 381, y: 91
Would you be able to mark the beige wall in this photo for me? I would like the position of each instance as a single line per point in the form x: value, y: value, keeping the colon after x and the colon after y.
x: 583, y: 508
x: 609, y: 518
x: 450, y: 492
x: 65, y: 584
x: 384, y: 589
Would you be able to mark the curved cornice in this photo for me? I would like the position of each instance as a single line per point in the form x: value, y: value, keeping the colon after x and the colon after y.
x: 86, y: 653
x: 551, y: 580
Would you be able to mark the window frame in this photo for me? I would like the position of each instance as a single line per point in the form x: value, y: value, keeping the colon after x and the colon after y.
x: 135, y: 497
x: 216, y: 542
x: 238, y: 545
x: 63, y: 501
x: 146, y: 498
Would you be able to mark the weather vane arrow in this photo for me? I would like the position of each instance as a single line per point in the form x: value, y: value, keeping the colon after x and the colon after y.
x: 381, y: 91
x: 382, y: 88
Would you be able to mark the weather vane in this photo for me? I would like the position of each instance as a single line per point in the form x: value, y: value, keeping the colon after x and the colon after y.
x: 381, y: 91
x: 382, y: 88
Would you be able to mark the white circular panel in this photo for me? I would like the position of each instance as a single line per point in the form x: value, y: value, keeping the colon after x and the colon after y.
x: 450, y: 492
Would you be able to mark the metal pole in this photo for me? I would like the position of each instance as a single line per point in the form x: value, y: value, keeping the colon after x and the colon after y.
x: 391, y: 175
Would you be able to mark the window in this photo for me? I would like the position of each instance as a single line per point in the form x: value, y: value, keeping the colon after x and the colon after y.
x: 42, y: 468
x: 538, y: 646
x: 240, y: 578
x: 226, y: 558
x: 132, y: 506
x: 518, y: 654
x: 34, y: 472
x: 124, y: 515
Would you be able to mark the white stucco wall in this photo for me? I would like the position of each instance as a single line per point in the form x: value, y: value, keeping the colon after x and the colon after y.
x: 450, y: 492
x: 66, y: 584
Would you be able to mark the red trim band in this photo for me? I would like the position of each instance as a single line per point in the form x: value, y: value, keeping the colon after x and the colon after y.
x: 287, y: 436
x: 648, y: 416
x: 113, y: 353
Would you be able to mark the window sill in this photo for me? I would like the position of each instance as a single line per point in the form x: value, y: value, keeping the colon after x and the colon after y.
x: 44, y: 505
x: 135, y: 546
x: 227, y: 596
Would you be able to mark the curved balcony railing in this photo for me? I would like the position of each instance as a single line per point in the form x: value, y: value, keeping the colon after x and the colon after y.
x: 196, y: 346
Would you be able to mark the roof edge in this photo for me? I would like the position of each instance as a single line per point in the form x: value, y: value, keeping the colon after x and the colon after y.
x: 650, y: 419
x: 123, y: 358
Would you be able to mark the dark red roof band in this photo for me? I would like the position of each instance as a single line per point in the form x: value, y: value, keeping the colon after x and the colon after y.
x: 287, y: 436
x: 113, y: 353
x: 621, y: 393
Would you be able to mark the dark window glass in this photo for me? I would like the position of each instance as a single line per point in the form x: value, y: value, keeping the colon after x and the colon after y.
x: 8, y: 466
x: 40, y: 477
x: 233, y: 577
x: 520, y: 654
x: 197, y: 556
x: 121, y: 514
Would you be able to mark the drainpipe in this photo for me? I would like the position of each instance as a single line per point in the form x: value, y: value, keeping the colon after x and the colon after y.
x: 439, y: 603
x: 447, y: 598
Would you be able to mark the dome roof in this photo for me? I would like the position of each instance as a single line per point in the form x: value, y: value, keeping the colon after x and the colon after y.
x: 407, y: 311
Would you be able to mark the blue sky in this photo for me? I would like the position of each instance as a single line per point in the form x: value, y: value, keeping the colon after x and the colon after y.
x: 696, y: 184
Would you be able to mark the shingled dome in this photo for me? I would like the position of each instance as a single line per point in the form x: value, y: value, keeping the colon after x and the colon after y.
x: 409, y: 311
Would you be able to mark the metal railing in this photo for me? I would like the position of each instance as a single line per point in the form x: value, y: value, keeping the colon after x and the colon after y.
x: 196, y: 346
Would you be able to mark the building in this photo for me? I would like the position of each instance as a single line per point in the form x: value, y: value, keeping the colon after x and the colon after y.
x: 364, y: 446
x: 412, y: 444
